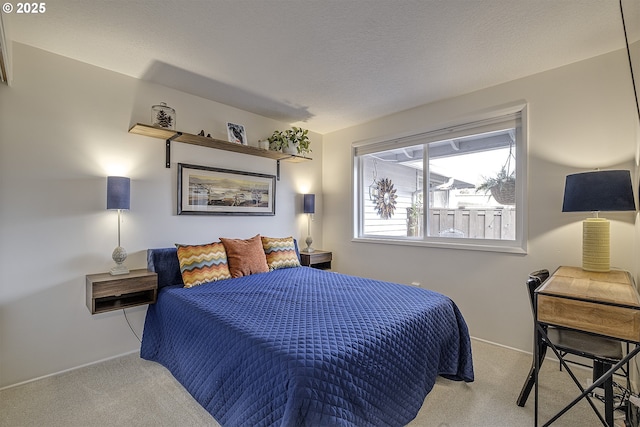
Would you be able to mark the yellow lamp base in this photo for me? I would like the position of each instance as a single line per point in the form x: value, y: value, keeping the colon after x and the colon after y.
x: 595, y: 245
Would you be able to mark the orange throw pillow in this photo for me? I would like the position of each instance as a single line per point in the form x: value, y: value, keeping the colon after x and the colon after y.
x: 245, y: 257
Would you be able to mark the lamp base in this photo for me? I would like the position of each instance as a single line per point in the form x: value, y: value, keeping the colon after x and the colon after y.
x: 119, y: 269
x: 308, y: 241
x: 119, y: 255
x: 596, y: 245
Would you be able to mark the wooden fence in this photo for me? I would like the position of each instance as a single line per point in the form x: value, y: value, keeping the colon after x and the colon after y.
x: 470, y: 223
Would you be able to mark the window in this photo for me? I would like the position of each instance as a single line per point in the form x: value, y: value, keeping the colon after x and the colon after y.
x: 461, y: 187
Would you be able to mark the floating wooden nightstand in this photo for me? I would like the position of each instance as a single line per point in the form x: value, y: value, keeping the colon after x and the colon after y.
x: 106, y: 292
x: 317, y: 259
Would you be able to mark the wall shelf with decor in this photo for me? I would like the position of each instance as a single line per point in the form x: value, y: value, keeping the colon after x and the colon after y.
x: 172, y: 135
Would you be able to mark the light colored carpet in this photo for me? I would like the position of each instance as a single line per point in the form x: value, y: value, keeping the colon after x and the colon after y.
x: 129, y: 391
x: 491, y: 399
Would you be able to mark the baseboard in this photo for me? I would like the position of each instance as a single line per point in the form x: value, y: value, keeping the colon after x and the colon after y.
x: 69, y: 370
x: 136, y: 351
x: 501, y: 345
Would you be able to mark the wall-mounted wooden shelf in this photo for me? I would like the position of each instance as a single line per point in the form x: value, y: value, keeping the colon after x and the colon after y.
x: 171, y: 135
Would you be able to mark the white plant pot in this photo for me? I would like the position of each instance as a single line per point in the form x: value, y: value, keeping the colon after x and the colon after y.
x: 290, y: 149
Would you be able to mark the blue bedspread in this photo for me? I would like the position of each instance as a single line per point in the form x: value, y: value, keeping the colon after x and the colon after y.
x: 305, y: 347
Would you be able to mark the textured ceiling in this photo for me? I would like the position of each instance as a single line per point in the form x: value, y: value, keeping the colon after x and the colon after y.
x: 324, y: 64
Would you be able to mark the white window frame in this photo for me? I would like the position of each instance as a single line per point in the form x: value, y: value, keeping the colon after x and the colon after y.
x: 470, y: 125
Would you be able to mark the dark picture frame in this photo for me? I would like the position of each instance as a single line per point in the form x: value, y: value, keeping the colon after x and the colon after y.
x: 204, y: 190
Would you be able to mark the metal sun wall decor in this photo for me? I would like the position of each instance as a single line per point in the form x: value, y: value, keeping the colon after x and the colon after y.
x: 386, y: 198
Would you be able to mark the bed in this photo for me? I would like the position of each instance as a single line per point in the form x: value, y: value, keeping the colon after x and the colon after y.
x: 304, y: 347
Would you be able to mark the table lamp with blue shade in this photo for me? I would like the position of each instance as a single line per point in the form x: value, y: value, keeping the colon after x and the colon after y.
x: 594, y: 192
x: 309, y: 207
x: 118, y: 198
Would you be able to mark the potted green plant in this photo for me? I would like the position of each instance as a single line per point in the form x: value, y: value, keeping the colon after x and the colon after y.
x: 502, y: 186
x: 276, y: 141
x: 293, y: 141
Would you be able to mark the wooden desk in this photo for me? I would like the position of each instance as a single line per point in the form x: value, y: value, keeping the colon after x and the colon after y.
x: 602, y: 303
x: 606, y: 304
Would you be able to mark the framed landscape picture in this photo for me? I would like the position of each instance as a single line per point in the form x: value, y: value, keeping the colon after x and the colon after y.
x: 204, y: 190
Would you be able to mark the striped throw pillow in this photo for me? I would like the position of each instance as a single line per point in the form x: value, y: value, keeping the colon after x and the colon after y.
x: 280, y: 252
x: 202, y: 263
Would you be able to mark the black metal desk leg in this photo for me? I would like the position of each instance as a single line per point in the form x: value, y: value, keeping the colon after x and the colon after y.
x: 598, y: 383
x: 608, y: 400
x: 536, y: 371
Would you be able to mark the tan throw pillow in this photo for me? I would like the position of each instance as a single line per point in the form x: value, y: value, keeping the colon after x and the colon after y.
x: 280, y: 252
x: 245, y: 257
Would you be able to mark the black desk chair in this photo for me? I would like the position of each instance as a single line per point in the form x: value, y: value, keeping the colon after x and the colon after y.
x: 604, y: 352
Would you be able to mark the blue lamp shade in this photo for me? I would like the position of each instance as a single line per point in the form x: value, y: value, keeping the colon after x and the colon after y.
x: 309, y: 203
x: 118, y: 192
x: 598, y: 191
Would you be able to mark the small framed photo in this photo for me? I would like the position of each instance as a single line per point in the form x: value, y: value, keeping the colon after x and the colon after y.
x: 236, y: 133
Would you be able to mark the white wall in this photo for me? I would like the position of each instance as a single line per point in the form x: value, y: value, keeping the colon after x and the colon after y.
x: 63, y: 129
x: 580, y: 117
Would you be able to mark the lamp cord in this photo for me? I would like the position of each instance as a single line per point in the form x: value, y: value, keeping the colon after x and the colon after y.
x: 131, y: 327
